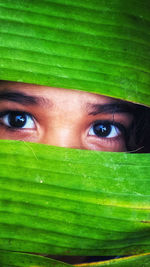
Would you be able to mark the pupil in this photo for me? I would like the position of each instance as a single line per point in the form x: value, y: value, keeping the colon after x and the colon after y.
x: 102, y: 130
x: 17, y: 120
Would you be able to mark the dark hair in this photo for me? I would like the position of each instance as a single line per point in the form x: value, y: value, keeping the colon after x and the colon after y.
x: 139, y: 135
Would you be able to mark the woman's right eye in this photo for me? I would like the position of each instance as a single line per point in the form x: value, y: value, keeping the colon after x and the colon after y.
x: 17, y: 120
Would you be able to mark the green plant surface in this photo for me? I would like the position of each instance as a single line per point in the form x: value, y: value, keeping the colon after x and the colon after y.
x: 96, y: 46
x: 16, y: 259
x: 64, y: 201
x: 56, y: 201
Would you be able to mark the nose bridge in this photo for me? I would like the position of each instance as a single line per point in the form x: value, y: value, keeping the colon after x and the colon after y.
x: 64, y: 125
x: 64, y: 137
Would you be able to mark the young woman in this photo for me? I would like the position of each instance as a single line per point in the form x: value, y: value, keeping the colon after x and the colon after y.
x: 70, y: 118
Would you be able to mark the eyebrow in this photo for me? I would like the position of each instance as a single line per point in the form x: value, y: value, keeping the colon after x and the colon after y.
x: 117, y: 107
x: 22, y: 98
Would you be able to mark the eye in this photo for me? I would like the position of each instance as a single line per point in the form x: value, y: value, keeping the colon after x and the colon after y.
x: 104, y: 130
x: 16, y: 119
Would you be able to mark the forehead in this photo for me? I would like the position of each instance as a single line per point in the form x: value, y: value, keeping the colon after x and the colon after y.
x: 56, y: 94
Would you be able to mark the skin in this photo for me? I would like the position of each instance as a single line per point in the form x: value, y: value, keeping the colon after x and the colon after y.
x: 62, y: 117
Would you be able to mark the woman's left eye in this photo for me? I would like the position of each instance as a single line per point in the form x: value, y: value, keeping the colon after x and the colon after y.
x: 104, y: 130
x: 17, y: 120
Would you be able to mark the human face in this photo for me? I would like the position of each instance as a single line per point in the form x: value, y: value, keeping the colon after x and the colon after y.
x: 61, y: 117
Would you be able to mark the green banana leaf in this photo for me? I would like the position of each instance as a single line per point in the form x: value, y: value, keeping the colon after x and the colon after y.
x: 64, y: 201
x: 13, y: 259
x: 72, y: 206
x: 97, y: 46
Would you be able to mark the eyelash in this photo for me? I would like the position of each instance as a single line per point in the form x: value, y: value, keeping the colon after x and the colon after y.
x: 10, y: 112
x: 117, y: 126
